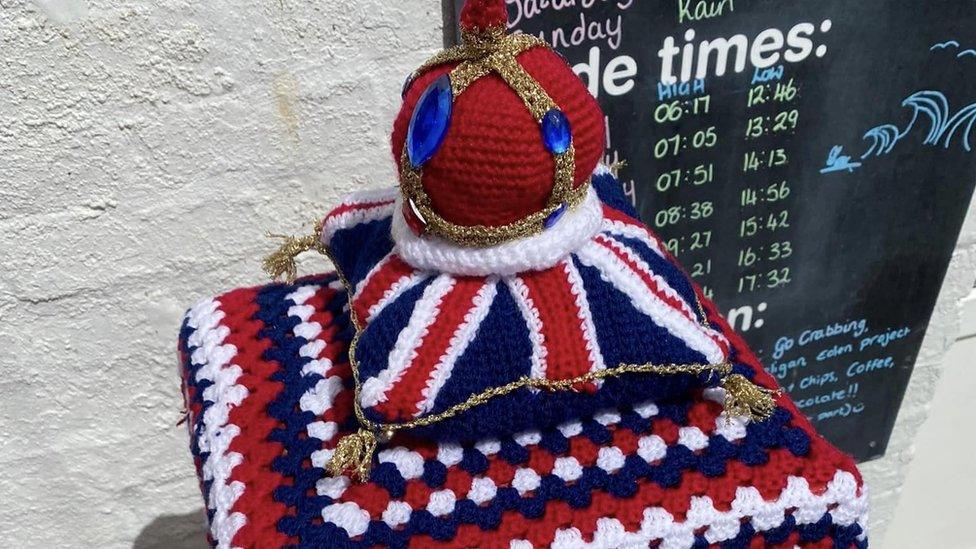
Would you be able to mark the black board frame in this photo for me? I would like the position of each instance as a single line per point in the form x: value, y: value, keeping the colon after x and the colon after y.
x: 850, y: 437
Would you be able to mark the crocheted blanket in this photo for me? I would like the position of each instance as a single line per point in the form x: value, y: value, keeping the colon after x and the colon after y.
x: 269, y: 392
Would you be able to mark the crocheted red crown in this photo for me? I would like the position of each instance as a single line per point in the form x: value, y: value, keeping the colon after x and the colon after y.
x: 494, y: 166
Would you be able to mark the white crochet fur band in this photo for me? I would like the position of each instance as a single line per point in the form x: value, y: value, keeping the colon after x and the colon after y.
x: 534, y: 253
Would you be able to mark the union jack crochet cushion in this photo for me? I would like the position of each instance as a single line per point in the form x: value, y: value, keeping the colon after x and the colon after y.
x: 431, y: 335
x: 271, y: 392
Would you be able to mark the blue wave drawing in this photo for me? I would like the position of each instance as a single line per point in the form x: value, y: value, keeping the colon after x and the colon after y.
x: 943, y: 129
x: 885, y: 137
x: 964, y: 118
x: 945, y: 45
x: 933, y: 105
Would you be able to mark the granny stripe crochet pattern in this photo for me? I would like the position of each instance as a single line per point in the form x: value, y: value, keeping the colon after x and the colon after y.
x: 269, y: 392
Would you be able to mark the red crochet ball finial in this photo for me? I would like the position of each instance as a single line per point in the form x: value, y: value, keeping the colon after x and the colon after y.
x: 482, y: 15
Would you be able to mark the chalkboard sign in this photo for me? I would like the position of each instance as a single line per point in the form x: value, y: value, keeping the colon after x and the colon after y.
x: 808, y: 161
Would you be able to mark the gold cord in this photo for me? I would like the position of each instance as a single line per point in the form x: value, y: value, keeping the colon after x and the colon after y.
x: 743, y: 398
x: 575, y: 384
x: 281, y: 264
x: 354, y: 455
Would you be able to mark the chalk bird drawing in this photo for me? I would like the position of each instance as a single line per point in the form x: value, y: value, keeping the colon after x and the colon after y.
x: 945, y: 45
x: 954, y: 45
x: 837, y: 162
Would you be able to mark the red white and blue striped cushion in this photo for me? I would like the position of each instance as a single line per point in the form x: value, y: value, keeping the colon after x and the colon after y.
x: 432, y: 339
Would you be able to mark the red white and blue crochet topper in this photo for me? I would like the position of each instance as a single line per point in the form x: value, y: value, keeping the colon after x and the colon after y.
x: 439, y: 324
x: 497, y: 233
x: 505, y: 357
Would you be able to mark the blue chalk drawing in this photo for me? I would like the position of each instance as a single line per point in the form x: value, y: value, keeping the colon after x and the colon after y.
x: 934, y: 106
x: 837, y: 162
x: 954, y: 45
x: 885, y: 137
x: 944, y: 128
x: 945, y: 45
x: 967, y: 118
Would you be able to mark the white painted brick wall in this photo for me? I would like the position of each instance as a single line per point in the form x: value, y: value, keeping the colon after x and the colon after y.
x: 145, y: 147
x: 886, y: 475
x: 968, y: 325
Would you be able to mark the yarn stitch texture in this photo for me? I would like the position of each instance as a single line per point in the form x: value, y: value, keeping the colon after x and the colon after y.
x: 676, y: 472
x: 615, y: 299
x: 269, y: 391
x: 493, y: 168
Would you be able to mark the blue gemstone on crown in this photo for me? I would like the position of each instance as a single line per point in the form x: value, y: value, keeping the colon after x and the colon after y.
x: 430, y: 121
x: 555, y: 216
x: 556, y: 133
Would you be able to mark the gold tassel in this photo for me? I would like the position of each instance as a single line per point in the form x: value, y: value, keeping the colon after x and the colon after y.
x: 616, y: 167
x: 282, y: 262
x: 745, y: 398
x: 354, y: 455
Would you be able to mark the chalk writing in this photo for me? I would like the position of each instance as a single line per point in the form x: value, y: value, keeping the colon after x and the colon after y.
x: 616, y: 78
x: 727, y: 115
x: 695, y: 59
x: 697, y: 10
x: 529, y: 9
x: 587, y: 31
x: 584, y: 28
